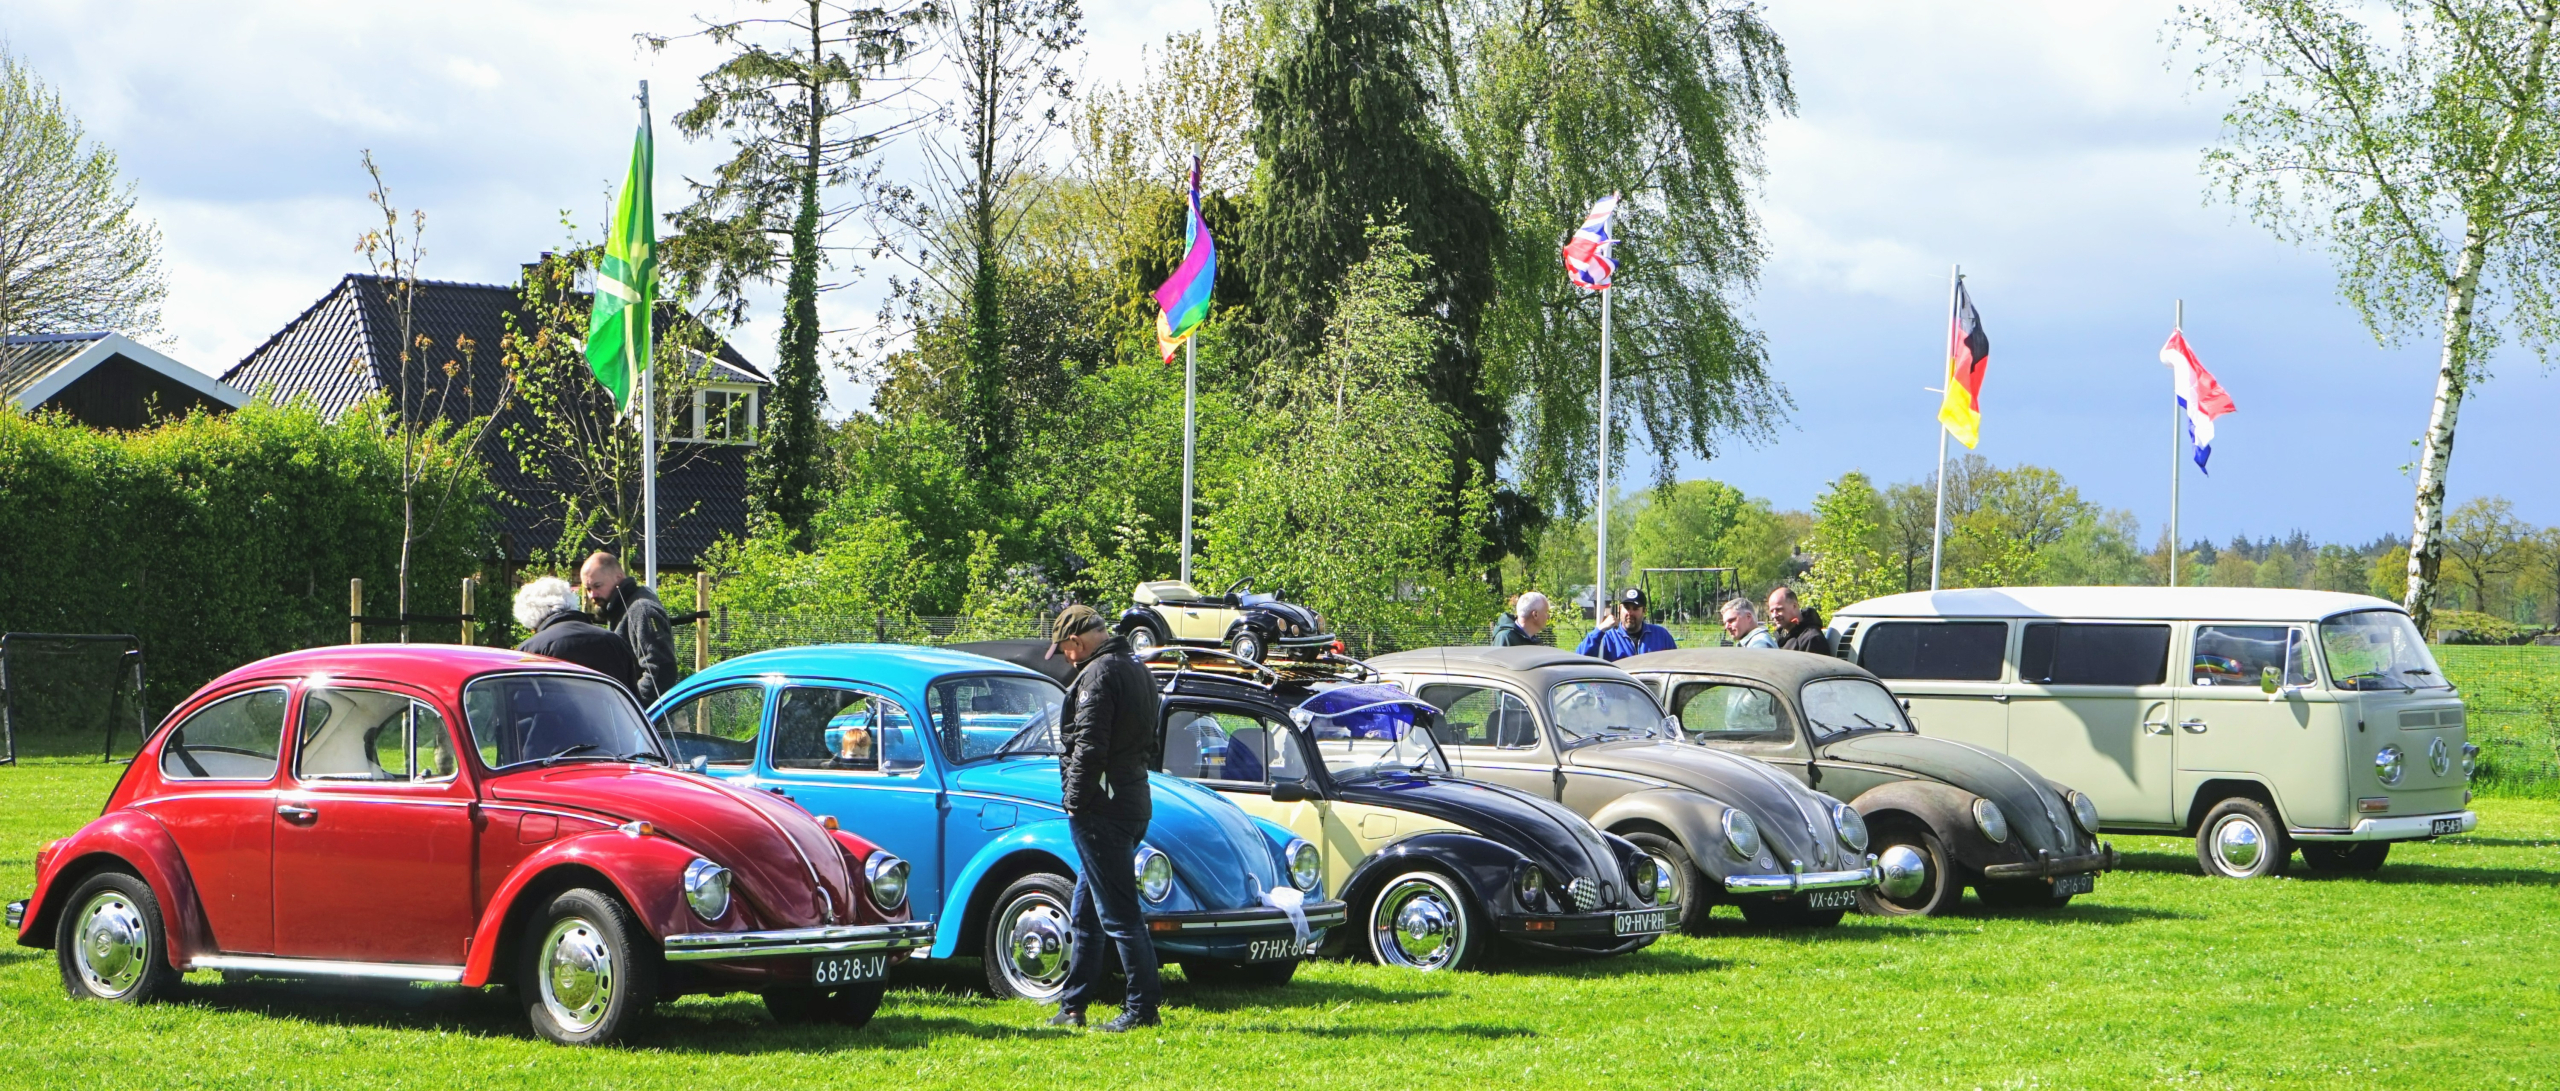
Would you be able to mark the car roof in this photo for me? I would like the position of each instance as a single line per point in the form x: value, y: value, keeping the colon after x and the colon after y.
x: 1784, y: 669
x: 427, y: 666
x: 1534, y: 665
x: 2131, y: 603
x: 909, y: 667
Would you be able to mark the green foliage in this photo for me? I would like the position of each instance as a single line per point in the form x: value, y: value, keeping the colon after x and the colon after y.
x: 1849, y: 563
x: 1709, y: 524
x: 857, y: 566
x: 74, y: 255
x: 222, y: 539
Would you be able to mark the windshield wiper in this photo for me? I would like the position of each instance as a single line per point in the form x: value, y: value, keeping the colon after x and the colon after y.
x: 645, y: 756
x: 573, y: 748
x: 2382, y: 678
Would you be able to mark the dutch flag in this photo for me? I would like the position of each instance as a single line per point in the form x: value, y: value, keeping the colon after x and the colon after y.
x: 2198, y: 393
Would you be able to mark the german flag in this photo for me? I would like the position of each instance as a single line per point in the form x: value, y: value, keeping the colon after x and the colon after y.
x: 1968, y: 356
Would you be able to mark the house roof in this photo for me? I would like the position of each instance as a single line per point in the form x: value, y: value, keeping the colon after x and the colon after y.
x: 35, y: 367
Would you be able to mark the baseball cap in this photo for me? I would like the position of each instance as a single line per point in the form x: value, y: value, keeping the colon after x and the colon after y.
x: 1075, y: 620
x: 1634, y: 596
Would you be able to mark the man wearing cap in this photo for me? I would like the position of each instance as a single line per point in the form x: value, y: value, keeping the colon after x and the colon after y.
x: 1106, y: 735
x: 1630, y: 634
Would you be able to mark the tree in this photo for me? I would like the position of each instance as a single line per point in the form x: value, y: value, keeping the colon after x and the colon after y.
x: 797, y: 101
x: 73, y: 253
x: 2427, y: 159
x: 1911, y: 514
x: 2488, y: 546
x: 1694, y: 524
x: 1848, y: 565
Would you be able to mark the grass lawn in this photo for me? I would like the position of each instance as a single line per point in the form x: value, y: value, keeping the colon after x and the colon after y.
x: 2438, y: 972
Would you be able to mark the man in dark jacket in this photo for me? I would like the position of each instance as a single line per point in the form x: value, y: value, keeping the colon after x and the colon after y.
x: 1529, y: 616
x: 1799, y: 629
x: 549, y: 607
x: 634, y: 612
x: 1106, y: 735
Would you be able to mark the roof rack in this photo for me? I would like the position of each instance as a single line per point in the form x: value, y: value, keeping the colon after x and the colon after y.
x: 1175, y: 660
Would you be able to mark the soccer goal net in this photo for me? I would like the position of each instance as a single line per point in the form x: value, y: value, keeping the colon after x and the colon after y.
x: 67, y: 694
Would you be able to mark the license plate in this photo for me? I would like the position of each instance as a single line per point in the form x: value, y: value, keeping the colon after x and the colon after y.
x: 2065, y: 886
x: 2445, y: 825
x: 830, y: 970
x: 1643, y: 922
x: 1272, y: 950
x: 1831, y: 899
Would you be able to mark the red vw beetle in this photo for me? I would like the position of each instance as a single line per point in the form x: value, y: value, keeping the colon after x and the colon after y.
x: 437, y: 813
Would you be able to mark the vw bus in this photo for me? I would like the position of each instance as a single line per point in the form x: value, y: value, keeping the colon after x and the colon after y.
x: 2255, y: 720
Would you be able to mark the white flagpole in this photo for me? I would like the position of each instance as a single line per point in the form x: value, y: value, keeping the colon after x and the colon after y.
x: 1190, y: 392
x: 1938, y: 525
x: 1600, y: 585
x: 648, y: 414
x: 2177, y: 448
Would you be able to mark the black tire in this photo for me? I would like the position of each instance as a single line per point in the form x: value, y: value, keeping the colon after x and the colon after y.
x: 588, y: 970
x: 2241, y: 838
x: 1689, y: 884
x: 1787, y: 913
x: 1247, y: 645
x: 111, y: 942
x: 2345, y: 855
x: 2019, y: 894
x: 1423, y: 920
x: 847, y: 1006
x: 1036, y: 909
x: 1142, y: 638
x: 1940, y: 887
x: 1219, y: 973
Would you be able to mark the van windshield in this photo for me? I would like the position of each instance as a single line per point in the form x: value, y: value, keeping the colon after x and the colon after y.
x: 2378, y: 649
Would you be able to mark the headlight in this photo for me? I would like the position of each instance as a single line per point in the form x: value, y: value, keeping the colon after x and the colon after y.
x: 706, y: 889
x: 886, y: 875
x: 1155, y: 874
x: 1531, y: 886
x: 2084, y: 812
x: 1992, y: 823
x: 1741, y: 834
x: 2386, y: 765
x: 1853, y: 828
x: 1306, y: 869
x: 1647, y: 880
x: 2470, y: 758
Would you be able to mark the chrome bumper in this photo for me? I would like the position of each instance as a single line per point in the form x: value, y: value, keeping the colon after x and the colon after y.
x: 832, y: 940
x: 1804, y: 880
x: 2407, y: 827
x: 2102, y: 860
x: 1319, y: 915
x: 17, y: 914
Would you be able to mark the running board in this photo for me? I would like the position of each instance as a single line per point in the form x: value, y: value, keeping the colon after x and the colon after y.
x: 319, y: 967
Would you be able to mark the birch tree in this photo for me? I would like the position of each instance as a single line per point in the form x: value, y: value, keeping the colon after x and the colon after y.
x: 73, y: 253
x: 2424, y: 152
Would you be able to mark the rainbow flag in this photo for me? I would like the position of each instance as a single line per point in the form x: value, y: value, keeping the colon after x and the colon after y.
x: 1183, y: 301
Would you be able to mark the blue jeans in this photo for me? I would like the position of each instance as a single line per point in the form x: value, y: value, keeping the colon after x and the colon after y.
x: 1106, y: 905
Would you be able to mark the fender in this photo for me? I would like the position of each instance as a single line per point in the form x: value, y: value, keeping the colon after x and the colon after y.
x: 1039, y: 839
x: 1486, y: 866
x: 1948, y: 812
x: 646, y: 871
x: 1690, y: 815
x: 1147, y: 615
x: 142, y: 845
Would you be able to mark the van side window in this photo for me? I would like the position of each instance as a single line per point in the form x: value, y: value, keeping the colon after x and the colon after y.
x: 2074, y: 654
x: 2236, y: 655
x: 1946, y: 651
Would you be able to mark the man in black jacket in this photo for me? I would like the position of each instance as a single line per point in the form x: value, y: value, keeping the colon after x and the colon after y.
x: 549, y: 607
x: 1799, y: 629
x: 633, y: 611
x: 1106, y: 734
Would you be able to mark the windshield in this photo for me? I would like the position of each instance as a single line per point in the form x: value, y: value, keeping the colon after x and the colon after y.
x: 1370, y: 731
x: 518, y: 718
x: 996, y: 715
x: 1594, y: 710
x: 2378, y: 649
x: 1838, y: 706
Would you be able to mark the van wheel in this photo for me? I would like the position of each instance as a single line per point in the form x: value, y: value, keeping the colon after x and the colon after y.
x: 1030, y: 938
x: 1787, y: 913
x: 2240, y: 838
x: 111, y: 942
x: 848, y: 1006
x: 588, y: 969
x: 1688, y: 884
x: 2345, y: 855
x: 1917, y: 879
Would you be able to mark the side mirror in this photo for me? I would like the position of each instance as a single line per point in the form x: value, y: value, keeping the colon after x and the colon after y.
x: 1289, y: 791
x: 701, y: 763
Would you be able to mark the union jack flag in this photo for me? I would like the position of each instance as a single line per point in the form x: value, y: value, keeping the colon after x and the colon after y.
x: 1586, y: 254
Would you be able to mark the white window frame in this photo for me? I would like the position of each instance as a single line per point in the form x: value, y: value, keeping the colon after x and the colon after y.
x: 701, y: 413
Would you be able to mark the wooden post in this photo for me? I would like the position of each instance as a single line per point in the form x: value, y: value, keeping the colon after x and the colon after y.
x: 355, y: 610
x: 470, y: 609
x: 702, y: 625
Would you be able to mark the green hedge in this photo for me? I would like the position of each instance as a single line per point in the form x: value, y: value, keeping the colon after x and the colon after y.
x: 222, y: 539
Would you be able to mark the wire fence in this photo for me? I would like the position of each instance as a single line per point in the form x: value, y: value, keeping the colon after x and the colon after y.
x: 2511, y: 697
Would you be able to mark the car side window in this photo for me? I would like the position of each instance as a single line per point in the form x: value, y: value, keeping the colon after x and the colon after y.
x: 1942, y: 651
x: 1481, y: 716
x: 2082, y: 654
x: 235, y: 738
x: 2238, y: 655
x: 352, y: 733
x: 1726, y: 712
x: 825, y: 727
x: 719, y: 727
x: 1205, y: 744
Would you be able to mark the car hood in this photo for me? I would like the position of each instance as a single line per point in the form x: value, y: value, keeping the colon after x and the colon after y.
x: 772, y: 846
x: 2035, y: 806
x: 1218, y: 853
x: 1557, y: 839
x: 1794, y: 820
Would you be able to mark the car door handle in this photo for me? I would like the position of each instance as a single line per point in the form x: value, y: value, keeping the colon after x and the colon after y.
x: 298, y: 815
x: 2193, y: 726
x: 2003, y: 698
x: 2155, y: 727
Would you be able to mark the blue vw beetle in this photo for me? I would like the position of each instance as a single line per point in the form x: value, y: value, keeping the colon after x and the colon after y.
x: 950, y: 760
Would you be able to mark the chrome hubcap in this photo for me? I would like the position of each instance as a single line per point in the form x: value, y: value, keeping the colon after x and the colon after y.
x: 2238, y: 843
x: 1142, y: 640
x: 1418, y: 924
x: 1672, y: 893
x: 113, y: 945
x: 1037, y: 943
x: 1906, y: 871
x: 577, y: 974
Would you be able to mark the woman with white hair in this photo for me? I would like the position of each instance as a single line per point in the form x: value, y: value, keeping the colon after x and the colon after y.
x: 549, y: 607
x: 1528, y: 618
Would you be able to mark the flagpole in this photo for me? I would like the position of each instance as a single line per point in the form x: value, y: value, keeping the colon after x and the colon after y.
x: 1600, y: 584
x: 648, y: 418
x: 1190, y: 392
x: 1938, y: 524
x: 2177, y: 325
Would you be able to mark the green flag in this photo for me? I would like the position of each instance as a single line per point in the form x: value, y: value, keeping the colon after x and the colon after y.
x: 626, y: 282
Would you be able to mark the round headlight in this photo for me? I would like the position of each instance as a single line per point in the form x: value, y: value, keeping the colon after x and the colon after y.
x: 1306, y: 869
x: 1741, y: 834
x: 2084, y: 811
x: 1992, y: 823
x: 1155, y: 874
x: 1852, y: 827
x: 706, y: 889
x: 2386, y: 765
x: 2470, y: 758
x: 886, y: 875
x: 1531, y: 886
x: 1647, y: 879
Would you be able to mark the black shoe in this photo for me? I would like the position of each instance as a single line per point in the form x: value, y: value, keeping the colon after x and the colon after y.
x: 1067, y: 1017
x: 1131, y: 1019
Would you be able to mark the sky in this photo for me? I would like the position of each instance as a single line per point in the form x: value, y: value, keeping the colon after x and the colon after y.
x: 2051, y: 149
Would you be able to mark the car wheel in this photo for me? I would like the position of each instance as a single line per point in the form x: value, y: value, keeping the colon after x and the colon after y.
x: 1420, y: 920
x: 1220, y: 973
x: 1917, y: 879
x: 589, y: 969
x: 1030, y: 938
x: 1142, y: 638
x: 111, y: 942
x: 1789, y: 913
x: 1688, y: 883
x: 2019, y: 894
x: 850, y: 1006
x: 2345, y: 855
x: 2241, y: 839
x: 1247, y: 645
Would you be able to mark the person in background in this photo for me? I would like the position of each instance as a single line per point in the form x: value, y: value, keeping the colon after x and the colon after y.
x: 1743, y: 626
x: 1528, y: 617
x: 633, y: 611
x: 1106, y: 731
x: 1799, y: 629
x: 549, y: 607
x: 1629, y: 633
